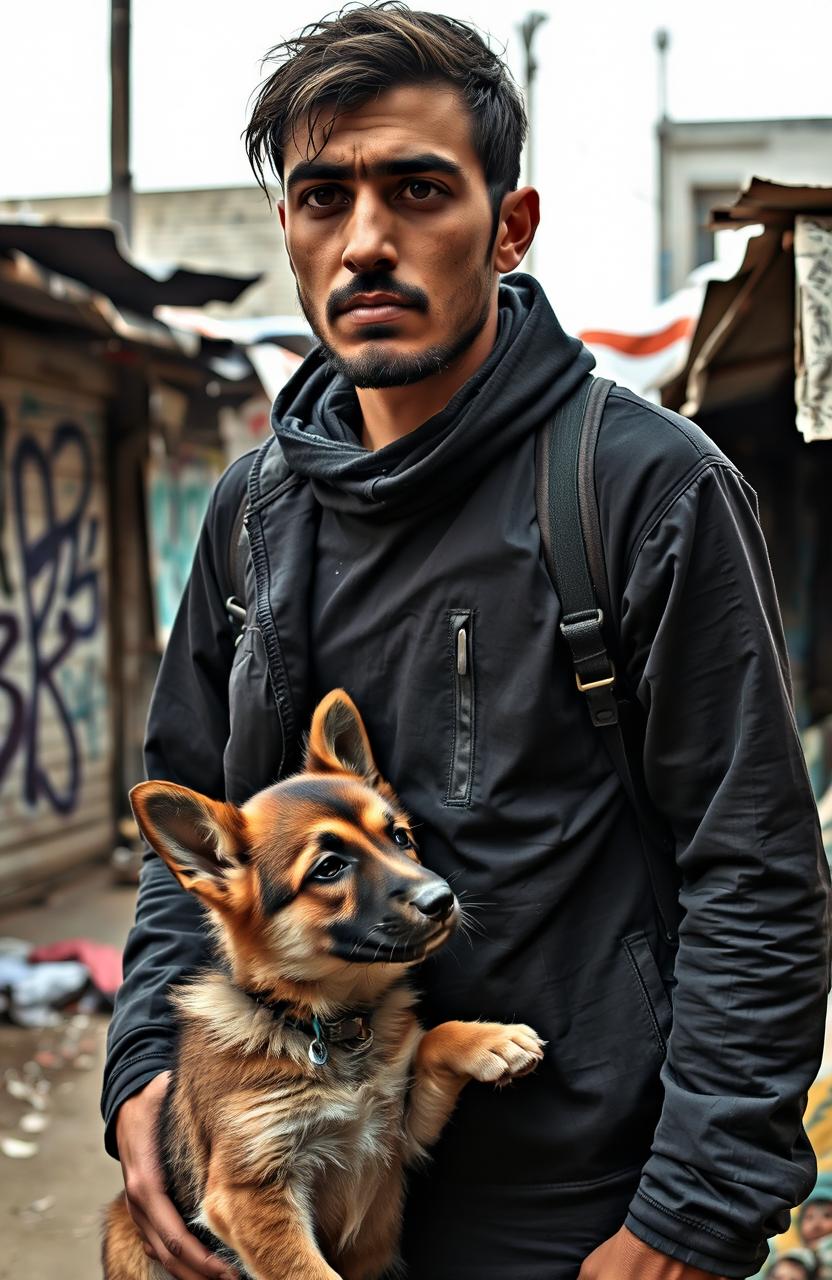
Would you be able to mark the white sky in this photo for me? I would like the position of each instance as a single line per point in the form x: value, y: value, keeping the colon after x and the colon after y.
x: 195, y: 63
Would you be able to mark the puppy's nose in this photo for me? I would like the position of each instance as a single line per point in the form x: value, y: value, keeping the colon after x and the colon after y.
x: 436, y: 901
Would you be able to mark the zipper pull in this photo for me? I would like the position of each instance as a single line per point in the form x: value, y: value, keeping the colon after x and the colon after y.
x: 462, y: 652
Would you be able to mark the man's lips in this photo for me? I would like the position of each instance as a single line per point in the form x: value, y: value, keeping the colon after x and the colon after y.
x: 374, y: 308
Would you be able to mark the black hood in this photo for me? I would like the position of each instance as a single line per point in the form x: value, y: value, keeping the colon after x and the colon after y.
x: 532, y: 368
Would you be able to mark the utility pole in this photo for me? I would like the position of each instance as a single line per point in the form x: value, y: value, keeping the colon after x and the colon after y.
x: 121, y: 182
x: 528, y: 31
x: 662, y: 42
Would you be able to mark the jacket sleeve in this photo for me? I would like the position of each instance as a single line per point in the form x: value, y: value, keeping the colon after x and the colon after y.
x: 187, y: 731
x: 723, y: 763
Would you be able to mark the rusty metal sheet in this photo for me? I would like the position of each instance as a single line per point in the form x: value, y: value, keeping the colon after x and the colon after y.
x: 94, y: 256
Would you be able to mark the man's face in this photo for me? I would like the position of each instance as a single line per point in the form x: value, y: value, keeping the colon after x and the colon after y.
x: 816, y: 1221
x: 389, y: 234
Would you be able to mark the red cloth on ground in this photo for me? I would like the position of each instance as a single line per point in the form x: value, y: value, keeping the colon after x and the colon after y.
x: 102, y: 960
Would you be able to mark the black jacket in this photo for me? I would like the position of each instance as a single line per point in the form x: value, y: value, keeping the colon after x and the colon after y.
x: 363, y: 568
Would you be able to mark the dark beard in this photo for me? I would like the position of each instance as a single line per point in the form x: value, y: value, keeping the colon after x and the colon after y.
x: 376, y: 368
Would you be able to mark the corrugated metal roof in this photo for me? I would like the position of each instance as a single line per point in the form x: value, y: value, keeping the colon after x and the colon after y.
x: 94, y: 257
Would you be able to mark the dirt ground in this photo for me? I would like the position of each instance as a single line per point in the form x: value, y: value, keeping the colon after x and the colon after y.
x: 50, y: 1203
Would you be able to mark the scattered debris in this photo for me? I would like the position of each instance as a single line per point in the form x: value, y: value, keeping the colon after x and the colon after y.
x: 34, y: 1122
x: 17, y: 1149
x: 17, y: 1087
x: 40, y: 1206
x: 46, y: 1058
x: 38, y: 982
x: 33, y: 1090
x: 14, y: 947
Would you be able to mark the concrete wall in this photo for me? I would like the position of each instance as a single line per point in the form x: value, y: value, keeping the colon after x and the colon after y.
x: 229, y: 229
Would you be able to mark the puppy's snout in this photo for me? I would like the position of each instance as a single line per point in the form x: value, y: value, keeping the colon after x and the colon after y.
x: 436, y: 901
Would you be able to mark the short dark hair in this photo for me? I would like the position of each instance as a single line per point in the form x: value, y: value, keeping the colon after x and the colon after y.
x: 349, y: 57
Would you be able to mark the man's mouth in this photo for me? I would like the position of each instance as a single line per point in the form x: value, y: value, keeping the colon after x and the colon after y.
x: 374, y: 308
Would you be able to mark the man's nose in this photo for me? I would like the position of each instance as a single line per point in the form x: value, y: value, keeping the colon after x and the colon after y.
x: 369, y: 244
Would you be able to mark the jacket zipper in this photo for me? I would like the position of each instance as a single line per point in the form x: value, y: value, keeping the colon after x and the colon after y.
x: 461, y: 769
x: 278, y: 678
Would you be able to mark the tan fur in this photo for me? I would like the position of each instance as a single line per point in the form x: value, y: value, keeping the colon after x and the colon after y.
x: 298, y: 1169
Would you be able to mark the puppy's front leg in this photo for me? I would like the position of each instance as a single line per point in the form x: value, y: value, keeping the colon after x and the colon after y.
x: 269, y: 1228
x: 452, y: 1054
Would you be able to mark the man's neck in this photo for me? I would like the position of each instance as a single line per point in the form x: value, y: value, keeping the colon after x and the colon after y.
x: 389, y: 413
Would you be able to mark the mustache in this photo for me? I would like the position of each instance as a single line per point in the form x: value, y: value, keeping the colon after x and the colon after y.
x: 375, y: 282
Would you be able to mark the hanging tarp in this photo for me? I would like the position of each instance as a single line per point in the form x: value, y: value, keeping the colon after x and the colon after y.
x: 743, y: 347
x: 813, y: 346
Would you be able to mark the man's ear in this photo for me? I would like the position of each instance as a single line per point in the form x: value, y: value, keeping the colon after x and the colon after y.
x: 338, y: 741
x: 281, y: 213
x: 201, y: 840
x: 519, y: 218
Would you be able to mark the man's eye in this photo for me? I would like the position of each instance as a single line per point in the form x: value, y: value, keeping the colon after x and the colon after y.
x: 329, y: 869
x: 324, y: 198
x: 421, y: 189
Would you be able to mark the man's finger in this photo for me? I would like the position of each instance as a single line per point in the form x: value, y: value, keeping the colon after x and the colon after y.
x: 175, y: 1248
x: 173, y: 1266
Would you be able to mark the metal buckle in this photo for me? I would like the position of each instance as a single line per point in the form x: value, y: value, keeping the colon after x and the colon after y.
x: 318, y: 1052
x: 596, y: 684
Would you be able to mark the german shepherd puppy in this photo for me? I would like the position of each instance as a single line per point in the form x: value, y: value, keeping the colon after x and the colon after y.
x: 304, y: 1085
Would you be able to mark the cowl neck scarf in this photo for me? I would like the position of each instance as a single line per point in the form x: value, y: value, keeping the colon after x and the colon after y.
x: 532, y: 367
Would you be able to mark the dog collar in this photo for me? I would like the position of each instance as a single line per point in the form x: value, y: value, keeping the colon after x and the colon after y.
x: 353, y: 1030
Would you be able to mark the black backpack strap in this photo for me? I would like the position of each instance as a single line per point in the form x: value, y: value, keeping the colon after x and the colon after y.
x: 567, y: 509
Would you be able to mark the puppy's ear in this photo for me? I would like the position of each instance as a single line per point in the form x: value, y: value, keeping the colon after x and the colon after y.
x: 338, y: 741
x: 201, y: 840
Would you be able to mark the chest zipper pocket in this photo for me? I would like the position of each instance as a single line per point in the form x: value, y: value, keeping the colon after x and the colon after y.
x: 461, y: 768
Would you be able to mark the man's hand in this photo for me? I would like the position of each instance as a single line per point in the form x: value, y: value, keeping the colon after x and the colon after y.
x: 625, y: 1257
x: 165, y: 1235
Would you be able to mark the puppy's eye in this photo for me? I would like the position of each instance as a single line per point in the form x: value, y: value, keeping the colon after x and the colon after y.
x: 329, y: 869
x: 401, y: 837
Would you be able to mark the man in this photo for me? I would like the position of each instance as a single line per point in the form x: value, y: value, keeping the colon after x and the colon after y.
x: 397, y: 554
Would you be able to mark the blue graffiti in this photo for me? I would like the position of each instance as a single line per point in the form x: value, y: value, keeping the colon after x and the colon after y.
x: 60, y: 607
x: 86, y: 701
x: 177, y: 508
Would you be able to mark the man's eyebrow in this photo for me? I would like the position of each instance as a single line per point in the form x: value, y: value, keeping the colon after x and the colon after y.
x: 401, y: 167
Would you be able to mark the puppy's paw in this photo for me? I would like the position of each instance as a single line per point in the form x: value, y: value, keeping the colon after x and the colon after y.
x: 495, y: 1054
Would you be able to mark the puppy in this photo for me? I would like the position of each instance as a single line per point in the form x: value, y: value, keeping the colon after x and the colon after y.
x: 304, y: 1085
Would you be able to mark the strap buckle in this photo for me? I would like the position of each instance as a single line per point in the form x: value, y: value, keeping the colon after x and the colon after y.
x: 583, y: 633
x: 606, y: 683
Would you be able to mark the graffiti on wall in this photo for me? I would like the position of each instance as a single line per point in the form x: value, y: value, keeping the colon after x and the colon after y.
x: 178, y: 493
x: 52, y: 693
